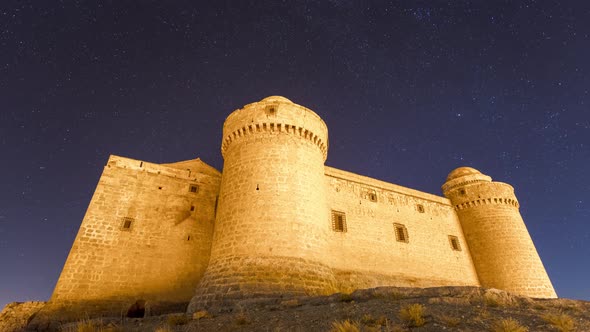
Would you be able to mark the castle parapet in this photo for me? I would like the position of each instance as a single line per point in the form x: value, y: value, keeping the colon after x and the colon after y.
x: 275, y: 114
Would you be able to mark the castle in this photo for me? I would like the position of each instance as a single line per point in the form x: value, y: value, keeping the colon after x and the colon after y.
x: 278, y: 221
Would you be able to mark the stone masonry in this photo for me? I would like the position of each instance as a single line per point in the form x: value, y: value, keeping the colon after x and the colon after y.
x: 278, y: 221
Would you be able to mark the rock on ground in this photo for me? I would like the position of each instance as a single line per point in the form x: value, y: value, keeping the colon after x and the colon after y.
x: 16, y: 315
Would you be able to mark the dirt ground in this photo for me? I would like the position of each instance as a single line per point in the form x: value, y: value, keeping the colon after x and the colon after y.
x: 377, y: 309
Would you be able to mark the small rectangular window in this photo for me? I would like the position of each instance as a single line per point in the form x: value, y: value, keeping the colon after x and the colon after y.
x: 420, y: 208
x: 462, y: 192
x: 193, y: 188
x: 126, y: 224
x: 338, y: 221
x: 401, y: 233
x: 373, y: 197
x: 369, y: 194
x: 192, y: 208
x: 454, y: 241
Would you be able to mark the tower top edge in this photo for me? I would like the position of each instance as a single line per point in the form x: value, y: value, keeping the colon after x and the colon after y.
x: 276, y: 108
x: 462, y: 171
x: 462, y: 176
x: 277, y: 98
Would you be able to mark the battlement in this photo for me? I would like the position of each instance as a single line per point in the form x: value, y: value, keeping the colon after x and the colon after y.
x: 275, y: 115
x: 385, y: 186
x: 272, y: 127
x: 495, y: 200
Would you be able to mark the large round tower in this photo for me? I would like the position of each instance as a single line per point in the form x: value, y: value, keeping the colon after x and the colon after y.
x: 502, y: 250
x: 270, y: 236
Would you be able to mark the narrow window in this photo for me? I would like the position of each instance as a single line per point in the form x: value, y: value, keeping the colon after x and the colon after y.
x: 462, y: 192
x: 126, y: 225
x: 420, y: 208
x: 401, y: 233
x: 454, y: 241
x: 192, y: 208
x: 188, y: 238
x: 193, y: 188
x: 338, y: 221
x: 160, y: 188
x: 373, y: 197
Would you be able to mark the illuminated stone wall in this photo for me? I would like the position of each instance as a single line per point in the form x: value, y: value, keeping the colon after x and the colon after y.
x: 368, y: 253
x: 502, y: 250
x: 162, y: 253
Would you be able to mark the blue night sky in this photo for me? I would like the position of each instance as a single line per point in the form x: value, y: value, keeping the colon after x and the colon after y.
x: 410, y: 90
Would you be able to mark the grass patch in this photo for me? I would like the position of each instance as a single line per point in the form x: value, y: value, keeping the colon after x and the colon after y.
x: 413, y: 314
x: 369, y: 320
x: 508, y: 325
x: 87, y: 325
x: 561, y: 322
x: 162, y: 329
x: 242, y: 319
x: 345, y: 326
x: 176, y: 319
x: 491, y: 301
x: 382, y: 320
x: 374, y: 324
x: 450, y: 321
x: 483, y: 313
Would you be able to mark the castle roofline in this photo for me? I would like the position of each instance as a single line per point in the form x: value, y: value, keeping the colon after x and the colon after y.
x: 277, y: 98
x: 182, y: 169
x: 194, y: 165
x: 371, y: 182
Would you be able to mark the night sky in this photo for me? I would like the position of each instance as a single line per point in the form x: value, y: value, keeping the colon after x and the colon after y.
x: 409, y: 91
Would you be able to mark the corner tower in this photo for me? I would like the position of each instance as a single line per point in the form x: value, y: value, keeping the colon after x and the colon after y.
x: 270, y: 236
x: 502, y: 250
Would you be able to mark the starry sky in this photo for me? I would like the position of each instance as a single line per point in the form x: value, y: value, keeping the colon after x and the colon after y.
x: 409, y: 90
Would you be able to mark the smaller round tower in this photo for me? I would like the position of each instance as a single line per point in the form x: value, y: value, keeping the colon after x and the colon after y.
x: 502, y: 250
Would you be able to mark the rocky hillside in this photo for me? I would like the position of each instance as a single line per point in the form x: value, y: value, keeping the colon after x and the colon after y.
x: 15, y: 316
x: 377, y: 309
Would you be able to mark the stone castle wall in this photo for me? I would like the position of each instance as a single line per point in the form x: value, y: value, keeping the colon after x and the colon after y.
x: 369, y: 254
x: 145, y: 234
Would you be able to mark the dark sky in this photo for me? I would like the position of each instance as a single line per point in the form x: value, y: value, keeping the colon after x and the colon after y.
x: 409, y: 91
